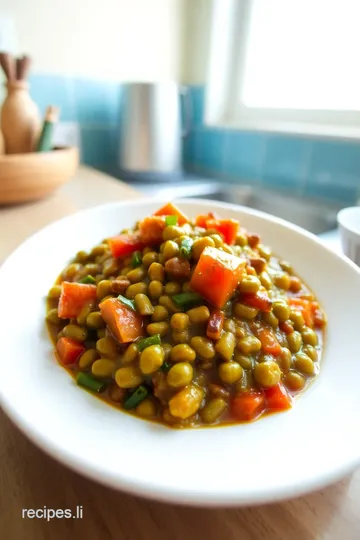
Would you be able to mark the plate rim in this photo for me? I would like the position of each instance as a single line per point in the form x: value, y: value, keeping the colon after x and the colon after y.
x: 171, y: 495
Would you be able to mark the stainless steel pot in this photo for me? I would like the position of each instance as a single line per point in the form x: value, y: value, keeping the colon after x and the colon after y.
x: 151, y: 127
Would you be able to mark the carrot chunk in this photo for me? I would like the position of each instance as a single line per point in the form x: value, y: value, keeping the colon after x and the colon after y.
x: 269, y: 342
x: 125, y: 324
x: 151, y: 230
x: 216, y: 275
x: 277, y: 398
x: 69, y: 350
x: 248, y: 406
x: 125, y: 244
x: 73, y: 297
x: 319, y: 318
x: 170, y: 209
x: 201, y: 219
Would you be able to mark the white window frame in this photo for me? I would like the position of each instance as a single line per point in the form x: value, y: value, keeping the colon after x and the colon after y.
x: 223, y: 107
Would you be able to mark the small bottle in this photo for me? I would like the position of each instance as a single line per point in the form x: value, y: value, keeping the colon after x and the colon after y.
x: 20, y: 120
x: 45, y: 141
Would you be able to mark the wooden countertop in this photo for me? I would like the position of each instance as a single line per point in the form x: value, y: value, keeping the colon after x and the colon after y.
x: 29, y: 479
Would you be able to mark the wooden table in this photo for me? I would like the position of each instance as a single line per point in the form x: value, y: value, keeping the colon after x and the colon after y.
x: 30, y: 479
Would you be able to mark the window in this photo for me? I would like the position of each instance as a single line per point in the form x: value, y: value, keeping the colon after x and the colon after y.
x: 285, y: 65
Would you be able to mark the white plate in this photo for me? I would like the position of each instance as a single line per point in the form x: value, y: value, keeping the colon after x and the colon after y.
x: 279, y: 456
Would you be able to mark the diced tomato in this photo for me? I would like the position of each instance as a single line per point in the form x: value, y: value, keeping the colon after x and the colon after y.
x: 259, y: 300
x: 277, y: 398
x: 69, y: 350
x: 215, y: 324
x: 125, y: 244
x: 270, y: 344
x: 216, y: 275
x: 306, y: 309
x: 248, y: 406
x: 286, y: 327
x: 73, y: 297
x: 227, y: 227
x: 170, y: 209
x: 125, y: 324
x: 201, y: 219
x: 151, y: 230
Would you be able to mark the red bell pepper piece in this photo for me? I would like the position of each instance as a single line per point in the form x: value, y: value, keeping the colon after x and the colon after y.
x: 286, y: 327
x: 259, y: 300
x: 215, y: 324
x: 227, y: 227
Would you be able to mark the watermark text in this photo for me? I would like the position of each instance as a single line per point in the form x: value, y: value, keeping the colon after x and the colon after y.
x: 51, y: 513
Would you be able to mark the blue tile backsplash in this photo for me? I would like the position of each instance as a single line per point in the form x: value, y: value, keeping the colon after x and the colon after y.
x: 54, y: 90
x: 285, y: 162
x: 311, y: 167
x: 316, y: 168
x: 97, y: 102
x: 243, y: 154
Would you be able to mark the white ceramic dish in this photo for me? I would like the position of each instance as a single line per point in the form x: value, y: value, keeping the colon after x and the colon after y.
x: 279, y: 456
x: 349, y: 224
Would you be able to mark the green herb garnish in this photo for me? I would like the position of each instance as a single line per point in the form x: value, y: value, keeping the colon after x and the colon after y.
x: 171, y: 220
x: 87, y: 381
x: 185, y: 248
x: 165, y: 367
x: 136, y: 259
x: 187, y: 299
x: 127, y: 302
x: 88, y: 280
x: 146, y: 342
x: 135, y: 397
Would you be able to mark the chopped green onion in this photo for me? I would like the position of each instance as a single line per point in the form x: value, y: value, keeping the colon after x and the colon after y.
x: 136, y: 259
x: 127, y: 302
x: 88, y: 280
x: 185, y: 248
x: 165, y: 367
x: 171, y: 220
x: 146, y: 342
x: 187, y: 299
x: 83, y: 379
x: 135, y: 397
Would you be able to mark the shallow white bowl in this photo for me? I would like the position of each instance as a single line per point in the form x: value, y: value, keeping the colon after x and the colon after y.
x: 279, y: 456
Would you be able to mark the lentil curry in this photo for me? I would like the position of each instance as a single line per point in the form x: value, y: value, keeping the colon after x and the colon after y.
x: 187, y: 322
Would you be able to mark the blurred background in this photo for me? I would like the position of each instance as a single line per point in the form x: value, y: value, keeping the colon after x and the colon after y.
x: 262, y: 96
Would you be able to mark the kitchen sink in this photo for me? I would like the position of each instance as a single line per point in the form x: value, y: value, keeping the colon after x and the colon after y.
x: 315, y: 216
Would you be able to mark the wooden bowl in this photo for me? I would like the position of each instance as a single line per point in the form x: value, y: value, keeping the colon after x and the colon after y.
x: 27, y: 177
